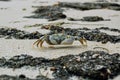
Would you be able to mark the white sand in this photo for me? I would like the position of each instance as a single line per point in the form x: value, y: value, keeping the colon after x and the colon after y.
x: 12, y: 16
x: 9, y: 48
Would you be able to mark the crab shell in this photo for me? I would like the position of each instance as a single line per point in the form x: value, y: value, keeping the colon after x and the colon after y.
x: 59, y: 39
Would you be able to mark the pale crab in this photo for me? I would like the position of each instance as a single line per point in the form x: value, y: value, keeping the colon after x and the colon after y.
x: 59, y: 39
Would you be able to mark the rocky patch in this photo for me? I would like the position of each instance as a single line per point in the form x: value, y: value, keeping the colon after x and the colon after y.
x: 89, y: 6
x: 90, y: 19
x: 48, y: 12
x: 91, y: 35
x: 95, y: 65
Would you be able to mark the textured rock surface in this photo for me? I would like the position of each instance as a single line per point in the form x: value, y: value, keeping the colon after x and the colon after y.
x: 48, y: 12
x: 91, y: 35
x: 90, y: 64
x: 89, y: 6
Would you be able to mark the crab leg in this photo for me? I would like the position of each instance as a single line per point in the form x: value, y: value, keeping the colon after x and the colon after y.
x: 41, y: 43
x: 38, y: 41
x: 51, y: 46
x: 83, y: 41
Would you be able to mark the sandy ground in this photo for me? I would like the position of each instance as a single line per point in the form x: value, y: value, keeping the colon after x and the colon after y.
x: 9, y: 48
x: 11, y: 15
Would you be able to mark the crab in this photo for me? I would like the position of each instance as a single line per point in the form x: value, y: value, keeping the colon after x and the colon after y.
x: 59, y: 39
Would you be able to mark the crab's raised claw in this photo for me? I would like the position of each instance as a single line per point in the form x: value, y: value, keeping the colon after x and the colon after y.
x: 83, y: 41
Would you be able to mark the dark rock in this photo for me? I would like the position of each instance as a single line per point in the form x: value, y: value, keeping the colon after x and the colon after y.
x: 53, y: 28
x: 22, y: 76
x: 89, y: 6
x: 97, y: 68
x: 4, y: 0
x: 21, y: 60
x: 89, y: 34
x: 95, y: 65
x: 48, y: 12
x: 92, y: 18
x: 40, y: 77
x: 10, y: 33
x: 7, y: 77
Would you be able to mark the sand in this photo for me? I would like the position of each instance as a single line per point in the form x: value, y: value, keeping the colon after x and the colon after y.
x: 9, y: 48
x: 12, y: 16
